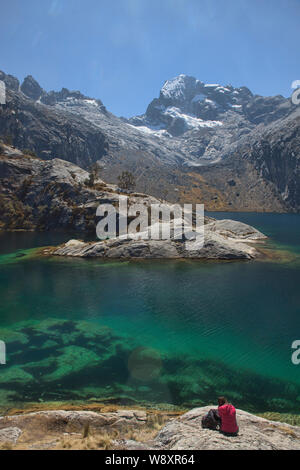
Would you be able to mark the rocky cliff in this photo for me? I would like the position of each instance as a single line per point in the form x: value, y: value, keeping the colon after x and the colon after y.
x: 51, y: 195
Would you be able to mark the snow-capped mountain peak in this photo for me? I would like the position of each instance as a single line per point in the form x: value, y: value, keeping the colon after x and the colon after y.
x: 178, y: 87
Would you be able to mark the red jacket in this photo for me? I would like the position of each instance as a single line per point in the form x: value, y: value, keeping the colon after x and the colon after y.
x: 228, y: 416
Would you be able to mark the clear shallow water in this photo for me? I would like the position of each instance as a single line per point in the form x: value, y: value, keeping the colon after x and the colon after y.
x: 180, y: 332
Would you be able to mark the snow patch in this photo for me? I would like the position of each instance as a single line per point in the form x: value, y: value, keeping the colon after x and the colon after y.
x: 198, y: 98
x: 211, y: 103
x: 151, y: 131
x: 211, y: 85
x: 191, y: 122
x: 223, y: 89
x: 174, y: 88
x: 91, y: 102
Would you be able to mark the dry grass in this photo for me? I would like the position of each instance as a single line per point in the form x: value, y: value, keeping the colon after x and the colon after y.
x: 6, y: 446
x: 38, y: 434
x: 285, y: 430
x: 97, y: 407
x: 105, y: 440
x: 287, y: 418
x: 92, y: 441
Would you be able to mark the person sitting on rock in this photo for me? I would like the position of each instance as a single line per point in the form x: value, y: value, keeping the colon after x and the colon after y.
x: 227, y: 413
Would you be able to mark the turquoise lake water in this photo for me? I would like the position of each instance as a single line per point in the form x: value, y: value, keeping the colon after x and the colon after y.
x: 156, y: 333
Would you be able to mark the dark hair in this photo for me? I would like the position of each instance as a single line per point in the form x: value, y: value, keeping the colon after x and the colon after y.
x: 222, y: 401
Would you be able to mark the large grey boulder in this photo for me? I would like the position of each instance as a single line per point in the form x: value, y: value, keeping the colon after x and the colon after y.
x: 222, y: 240
x: 255, y: 433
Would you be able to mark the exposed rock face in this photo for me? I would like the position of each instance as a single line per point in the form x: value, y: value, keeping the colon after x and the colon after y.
x: 10, y: 435
x: 31, y: 88
x: 184, y: 98
x: 277, y: 158
x: 53, y: 194
x: 11, y: 82
x: 74, y: 420
x: 46, y: 131
x: 222, y: 240
x: 255, y: 433
x: 195, y: 136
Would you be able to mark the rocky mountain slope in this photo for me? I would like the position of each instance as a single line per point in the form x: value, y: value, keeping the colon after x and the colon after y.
x: 140, y: 430
x: 186, y: 104
x: 52, y: 194
x: 197, y: 142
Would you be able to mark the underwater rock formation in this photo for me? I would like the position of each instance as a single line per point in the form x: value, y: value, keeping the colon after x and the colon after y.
x: 58, y: 361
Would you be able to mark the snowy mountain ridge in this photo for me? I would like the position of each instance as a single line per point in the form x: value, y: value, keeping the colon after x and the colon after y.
x: 201, y: 141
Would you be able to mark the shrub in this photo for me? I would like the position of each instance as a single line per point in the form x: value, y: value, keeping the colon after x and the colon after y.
x: 29, y: 153
x: 126, y: 180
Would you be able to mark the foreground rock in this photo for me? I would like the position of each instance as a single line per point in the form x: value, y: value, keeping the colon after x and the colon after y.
x: 74, y: 421
x: 10, y: 435
x: 225, y: 239
x: 45, y: 429
x: 255, y: 433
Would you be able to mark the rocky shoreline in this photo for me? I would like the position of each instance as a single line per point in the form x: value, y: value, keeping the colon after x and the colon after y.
x: 127, y: 429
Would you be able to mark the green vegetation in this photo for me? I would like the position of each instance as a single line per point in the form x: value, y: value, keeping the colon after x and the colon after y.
x: 29, y: 153
x: 14, y: 215
x: 293, y: 420
x: 93, y: 175
x: 7, y: 139
x: 126, y: 181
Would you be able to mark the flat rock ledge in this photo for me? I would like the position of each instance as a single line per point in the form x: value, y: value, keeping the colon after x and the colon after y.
x: 186, y: 433
x: 66, y: 421
x: 180, y: 433
x: 223, y: 240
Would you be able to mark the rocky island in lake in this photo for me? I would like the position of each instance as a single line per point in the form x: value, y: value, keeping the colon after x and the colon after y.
x: 56, y: 195
x: 223, y: 240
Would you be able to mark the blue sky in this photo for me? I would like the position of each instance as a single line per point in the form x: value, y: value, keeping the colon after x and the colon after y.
x: 122, y: 51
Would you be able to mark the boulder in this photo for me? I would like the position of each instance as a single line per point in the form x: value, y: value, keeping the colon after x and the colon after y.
x: 186, y: 433
x: 223, y: 239
x: 65, y: 421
